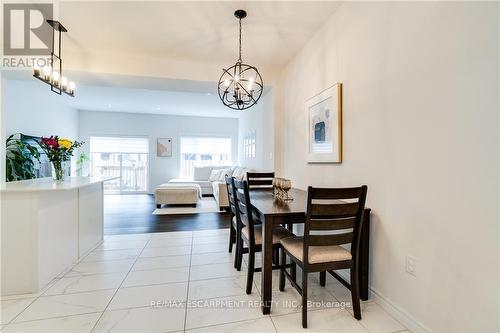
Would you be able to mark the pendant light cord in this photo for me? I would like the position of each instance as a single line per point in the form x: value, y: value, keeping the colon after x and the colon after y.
x: 239, y: 59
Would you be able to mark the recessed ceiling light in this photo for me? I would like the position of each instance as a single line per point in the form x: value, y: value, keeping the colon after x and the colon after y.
x: 109, y: 106
x: 209, y: 94
x: 158, y: 108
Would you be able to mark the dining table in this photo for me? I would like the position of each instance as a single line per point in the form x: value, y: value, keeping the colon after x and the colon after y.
x: 272, y: 211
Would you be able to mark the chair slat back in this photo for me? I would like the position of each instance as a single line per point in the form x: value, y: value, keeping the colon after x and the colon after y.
x: 230, y: 195
x: 260, y: 179
x: 243, y: 206
x: 334, y: 217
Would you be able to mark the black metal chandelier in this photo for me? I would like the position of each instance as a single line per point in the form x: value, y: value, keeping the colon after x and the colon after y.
x: 52, y: 74
x: 240, y: 86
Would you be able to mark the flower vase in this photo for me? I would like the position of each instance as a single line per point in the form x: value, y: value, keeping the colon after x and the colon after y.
x: 58, y: 170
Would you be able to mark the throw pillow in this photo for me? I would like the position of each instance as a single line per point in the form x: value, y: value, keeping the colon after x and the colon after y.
x: 215, y: 175
x: 223, y: 173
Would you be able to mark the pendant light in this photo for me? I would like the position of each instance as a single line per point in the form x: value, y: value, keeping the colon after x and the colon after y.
x: 52, y: 74
x: 240, y: 86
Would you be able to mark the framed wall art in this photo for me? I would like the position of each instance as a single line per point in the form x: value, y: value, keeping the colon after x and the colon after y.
x: 324, y: 126
x: 164, y: 147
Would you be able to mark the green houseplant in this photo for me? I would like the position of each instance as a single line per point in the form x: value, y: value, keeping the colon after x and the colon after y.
x: 20, y: 159
x: 80, y: 163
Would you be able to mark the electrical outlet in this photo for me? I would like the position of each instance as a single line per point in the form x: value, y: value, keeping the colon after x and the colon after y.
x: 411, y: 265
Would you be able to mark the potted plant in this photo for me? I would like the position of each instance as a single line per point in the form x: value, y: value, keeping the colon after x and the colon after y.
x: 58, y: 151
x: 80, y: 163
x: 20, y: 159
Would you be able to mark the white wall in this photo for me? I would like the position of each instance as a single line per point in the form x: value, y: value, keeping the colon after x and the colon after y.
x: 259, y: 118
x: 31, y: 108
x: 421, y: 130
x: 152, y: 126
x: 2, y: 129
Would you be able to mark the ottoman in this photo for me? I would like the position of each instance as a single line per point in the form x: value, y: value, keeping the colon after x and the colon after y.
x: 177, y: 194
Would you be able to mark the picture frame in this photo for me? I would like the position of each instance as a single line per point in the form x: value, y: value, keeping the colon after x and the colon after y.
x: 164, y: 147
x: 324, y: 126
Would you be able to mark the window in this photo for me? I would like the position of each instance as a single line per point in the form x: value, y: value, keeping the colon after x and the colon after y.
x: 203, y: 151
x: 122, y: 157
x: 249, y: 145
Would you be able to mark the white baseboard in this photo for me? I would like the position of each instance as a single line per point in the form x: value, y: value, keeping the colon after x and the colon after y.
x: 394, y: 310
x: 397, y: 312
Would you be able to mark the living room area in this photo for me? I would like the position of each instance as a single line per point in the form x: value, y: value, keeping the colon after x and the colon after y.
x: 167, y: 151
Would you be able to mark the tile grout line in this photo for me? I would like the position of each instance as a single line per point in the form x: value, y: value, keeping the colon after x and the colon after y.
x: 188, y: 283
x: 57, y: 317
x: 112, y: 297
x: 228, y: 323
x: 274, y: 325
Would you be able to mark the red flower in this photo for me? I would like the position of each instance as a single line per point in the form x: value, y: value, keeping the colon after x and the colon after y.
x: 51, y: 142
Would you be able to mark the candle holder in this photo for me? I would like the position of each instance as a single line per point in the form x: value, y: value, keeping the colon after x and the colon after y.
x: 281, y: 187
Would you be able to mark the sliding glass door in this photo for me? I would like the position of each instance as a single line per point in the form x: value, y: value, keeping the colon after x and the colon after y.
x: 123, y: 157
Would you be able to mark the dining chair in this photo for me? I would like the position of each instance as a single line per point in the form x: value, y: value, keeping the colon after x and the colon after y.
x: 260, y: 179
x: 251, y: 233
x: 334, y: 217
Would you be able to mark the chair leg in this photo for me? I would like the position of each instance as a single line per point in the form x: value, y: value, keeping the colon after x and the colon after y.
x: 239, y: 253
x: 282, y: 270
x: 304, y: 299
x: 293, y: 271
x: 276, y: 256
x: 322, y: 279
x: 232, y: 238
x: 251, y: 267
x: 355, y: 293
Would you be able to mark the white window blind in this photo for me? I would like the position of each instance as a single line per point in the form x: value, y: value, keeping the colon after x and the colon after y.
x: 203, y: 151
x: 199, y: 145
x: 119, y: 145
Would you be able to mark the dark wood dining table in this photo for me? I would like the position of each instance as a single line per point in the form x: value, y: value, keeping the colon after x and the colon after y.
x: 272, y: 212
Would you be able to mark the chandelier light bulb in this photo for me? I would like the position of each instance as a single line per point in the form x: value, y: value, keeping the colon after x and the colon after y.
x: 55, y: 78
x: 237, y: 78
x: 71, y: 87
x: 36, y: 70
x: 47, y: 70
x: 227, y: 83
x: 64, y: 82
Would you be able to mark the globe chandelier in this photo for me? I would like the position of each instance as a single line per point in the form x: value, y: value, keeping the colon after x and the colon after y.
x: 240, y: 86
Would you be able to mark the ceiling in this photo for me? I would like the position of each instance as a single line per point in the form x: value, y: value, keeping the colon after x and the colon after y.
x: 121, y: 99
x: 198, y: 33
x: 204, y: 31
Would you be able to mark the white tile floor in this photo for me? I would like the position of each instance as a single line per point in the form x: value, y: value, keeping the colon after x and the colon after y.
x: 112, y: 289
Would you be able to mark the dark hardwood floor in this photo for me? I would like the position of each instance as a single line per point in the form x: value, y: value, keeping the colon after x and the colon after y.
x: 132, y: 214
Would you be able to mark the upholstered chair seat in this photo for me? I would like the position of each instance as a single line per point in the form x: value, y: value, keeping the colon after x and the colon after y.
x: 278, y: 234
x: 317, y: 254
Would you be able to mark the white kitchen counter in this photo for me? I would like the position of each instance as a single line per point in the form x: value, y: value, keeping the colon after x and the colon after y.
x: 48, y: 184
x: 46, y: 227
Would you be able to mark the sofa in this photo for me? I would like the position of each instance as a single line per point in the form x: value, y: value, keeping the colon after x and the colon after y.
x: 212, y: 181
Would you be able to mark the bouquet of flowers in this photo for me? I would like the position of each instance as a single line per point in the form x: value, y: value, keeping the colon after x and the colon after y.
x: 58, y: 151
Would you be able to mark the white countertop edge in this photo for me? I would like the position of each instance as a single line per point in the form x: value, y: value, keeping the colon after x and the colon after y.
x: 48, y: 184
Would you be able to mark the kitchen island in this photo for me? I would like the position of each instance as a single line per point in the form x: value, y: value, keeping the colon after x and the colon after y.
x: 46, y: 227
